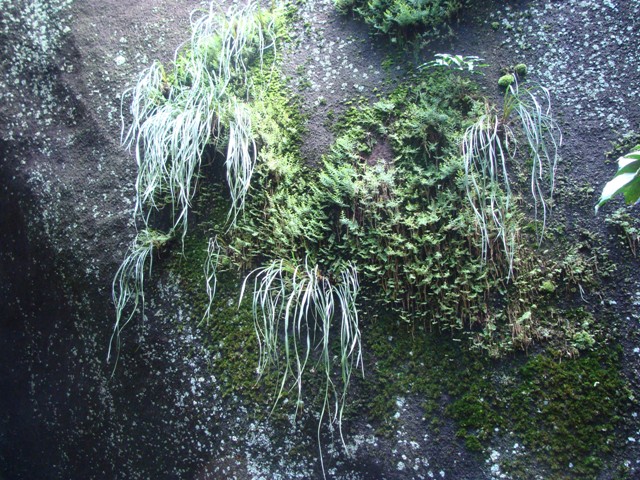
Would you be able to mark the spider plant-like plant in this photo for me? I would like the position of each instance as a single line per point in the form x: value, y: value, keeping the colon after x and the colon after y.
x: 128, y: 284
x: 487, y: 148
x: 241, y: 159
x: 174, y: 117
x: 294, y: 308
x: 533, y: 107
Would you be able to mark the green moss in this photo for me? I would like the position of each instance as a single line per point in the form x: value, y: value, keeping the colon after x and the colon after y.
x: 567, y: 411
x: 520, y: 69
x: 506, y: 80
x: 564, y: 411
x: 390, y: 197
x: 626, y: 228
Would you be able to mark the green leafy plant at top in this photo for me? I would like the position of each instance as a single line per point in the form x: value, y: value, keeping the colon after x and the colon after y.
x: 403, y: 19
x: 204, y: 100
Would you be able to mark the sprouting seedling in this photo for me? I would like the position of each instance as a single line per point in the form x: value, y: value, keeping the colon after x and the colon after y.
x: 467, y: 63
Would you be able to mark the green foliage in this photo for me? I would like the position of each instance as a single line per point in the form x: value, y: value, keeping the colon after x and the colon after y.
x: 457, y: 62
x: 521, y: 70
x: 390, y: 197
x: 490, y: 144
x: 627, y: 228
x: 128, y: 283
x: 563, y: 412
x: 286, y: 298
x: 203, y: 100
x: 575, y: 407
x: 176, y: 115
x: 532, y: 107
x: 626, y: 181
x: 394, y: 220
x: 486, y: 151
x: 560, y: 410
x: 402, y: 19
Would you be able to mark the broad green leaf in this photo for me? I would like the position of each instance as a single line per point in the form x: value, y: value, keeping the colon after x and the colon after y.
x: 626, y: 181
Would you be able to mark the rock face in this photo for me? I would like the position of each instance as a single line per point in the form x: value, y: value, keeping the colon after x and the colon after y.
x: 66, y: 189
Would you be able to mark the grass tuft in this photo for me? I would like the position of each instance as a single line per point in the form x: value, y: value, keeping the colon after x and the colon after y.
x: 210, y: 273
x: 533, y: 107
x: 176, y: 115
x: 487, y: 148
x: 128, y: 284
x: 294, y: 307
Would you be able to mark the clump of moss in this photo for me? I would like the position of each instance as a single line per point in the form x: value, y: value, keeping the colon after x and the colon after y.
x: 575, y: 407
x: 564, y: 411
x: 506, y: 80
x: 520, y: 70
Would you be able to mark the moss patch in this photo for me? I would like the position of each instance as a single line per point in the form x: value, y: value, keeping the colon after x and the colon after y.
x: 565, y: 412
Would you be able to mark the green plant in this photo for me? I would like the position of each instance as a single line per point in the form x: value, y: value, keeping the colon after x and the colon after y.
x: 521, y: 70
x: 457, y: 62
x: 506, y: 81
x: 291, y: 305
x: 533, y: 108
x: 486, y: 149
x: 403, y: 19
x: 210, y: 272
x: 628, y: 228
x: 388, y: 218
x: 175, y: 116
x: 488, y: 146
x: 128, y: 283
x: 626, y: 181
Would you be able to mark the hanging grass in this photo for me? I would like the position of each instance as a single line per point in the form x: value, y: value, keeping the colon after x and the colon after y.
x: 202, y: 101
x: 486, y: 150
x: 174, y: 117
x: 128, y: 285
x: 490, y: 144
x: 294, y: 309
x: 212, y: 260
x: 532, y: 105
